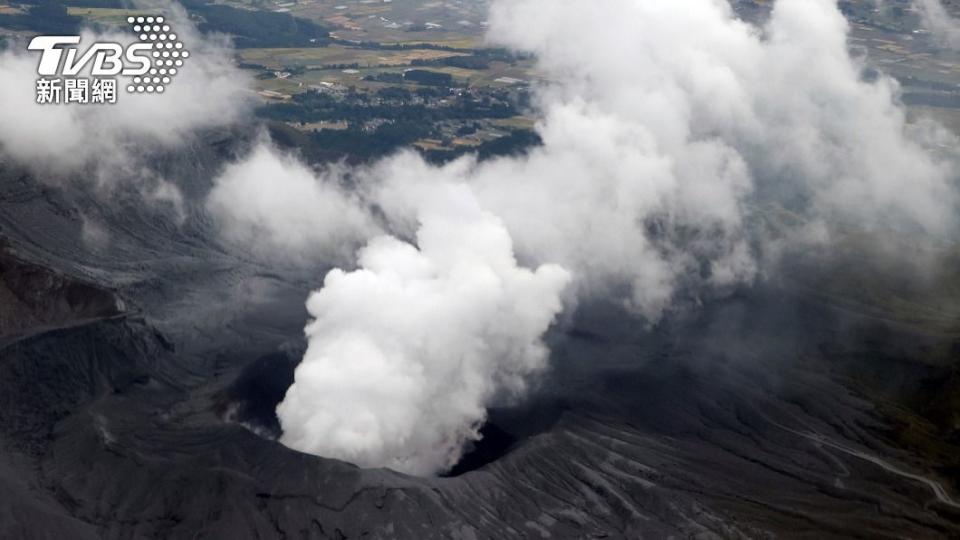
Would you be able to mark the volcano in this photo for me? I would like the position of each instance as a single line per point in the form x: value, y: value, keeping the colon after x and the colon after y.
x: 139, y: 386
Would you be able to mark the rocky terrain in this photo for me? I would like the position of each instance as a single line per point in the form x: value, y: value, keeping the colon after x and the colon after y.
x: 36, y: 299
x: 140, y: 371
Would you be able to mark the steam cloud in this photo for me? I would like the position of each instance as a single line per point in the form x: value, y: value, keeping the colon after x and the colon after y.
x: 294, y: 215
x: 406, y: 351
x: 108, y: 141
x: 937, y: 20
x: 667, y: 127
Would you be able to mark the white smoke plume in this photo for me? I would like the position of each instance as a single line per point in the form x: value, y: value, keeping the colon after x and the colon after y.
x: 406, y: 351
x: 108, y: 140
x: 665, y: 126
x: 944, y: 27
x: 697, y: 76
x: 276, y: 206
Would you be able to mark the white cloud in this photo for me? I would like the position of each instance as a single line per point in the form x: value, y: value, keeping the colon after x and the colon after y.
x: 665, y: 125
x: 275, y: 206
x: 787, y: 101
x: 58, y: 140
x: 944, y: 27
x: 407, y: 351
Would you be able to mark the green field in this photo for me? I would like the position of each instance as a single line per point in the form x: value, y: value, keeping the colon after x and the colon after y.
x: 102, y: 15
x: 399, y: 21
x: 371, y: 63
x: 417, y: 25
x: 337, y: 54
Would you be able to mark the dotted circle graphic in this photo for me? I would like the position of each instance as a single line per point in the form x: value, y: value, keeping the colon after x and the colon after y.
x: 168, y: 51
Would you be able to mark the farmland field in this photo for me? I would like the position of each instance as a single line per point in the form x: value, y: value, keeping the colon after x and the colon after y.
x: 102, y: 15
x: 339, y: 55
x: 451, y: 23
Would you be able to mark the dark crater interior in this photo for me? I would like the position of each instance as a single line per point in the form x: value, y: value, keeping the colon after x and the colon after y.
x: 252, y: 399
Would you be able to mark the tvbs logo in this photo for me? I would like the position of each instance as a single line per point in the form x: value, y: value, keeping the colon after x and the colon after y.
x: 147, y: 66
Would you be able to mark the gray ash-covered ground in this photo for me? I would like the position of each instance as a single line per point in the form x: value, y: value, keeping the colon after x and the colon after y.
x: 141, y: 360
x: 757, y: 415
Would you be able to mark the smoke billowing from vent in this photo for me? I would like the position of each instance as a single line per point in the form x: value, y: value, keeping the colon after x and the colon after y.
x: 667, y: 128
x: 406, y: 351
